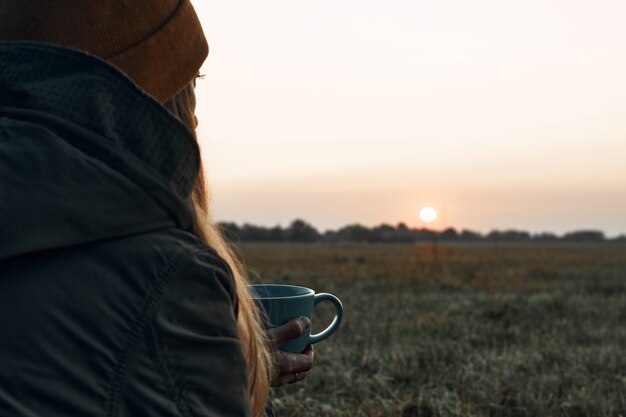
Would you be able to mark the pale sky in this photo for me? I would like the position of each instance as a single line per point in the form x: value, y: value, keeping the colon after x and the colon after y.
x: 500, y: 114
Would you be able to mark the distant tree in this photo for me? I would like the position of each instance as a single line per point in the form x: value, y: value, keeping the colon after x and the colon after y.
x: 404, y: 234
x: 493, y: 236
x: 383, y: 233
x: 424, y: 234
x: 508, y: 236
x: 517, y: 235
x: 449, y: 234
x: 354, y: 233
x: 402, y: 227
x: 545, y: 237
x: 252, y: 233
x: 329, y: 236
x: 230, y: 231
x: 584, y: 236
x: 301, y: 231
x: 276, y: 234
x: 469, y: 236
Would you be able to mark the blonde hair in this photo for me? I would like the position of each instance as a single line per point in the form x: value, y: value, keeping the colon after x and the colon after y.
x: 252, y: 337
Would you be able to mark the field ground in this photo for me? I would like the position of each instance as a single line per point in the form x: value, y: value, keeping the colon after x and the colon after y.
x: 459, y: 331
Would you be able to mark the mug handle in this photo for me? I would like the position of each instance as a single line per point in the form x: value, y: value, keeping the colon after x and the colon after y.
x: 336, y: 321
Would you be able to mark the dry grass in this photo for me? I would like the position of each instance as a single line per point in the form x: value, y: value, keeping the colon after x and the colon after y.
x: 460, y: 331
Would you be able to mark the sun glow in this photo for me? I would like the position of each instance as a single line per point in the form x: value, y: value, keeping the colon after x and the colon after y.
x: 428, y: 214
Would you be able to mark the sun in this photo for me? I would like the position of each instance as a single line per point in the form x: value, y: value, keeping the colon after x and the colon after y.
x: 428, y: 214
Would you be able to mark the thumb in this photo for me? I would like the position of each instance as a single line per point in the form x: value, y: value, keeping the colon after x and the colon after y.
x: 291, y: 330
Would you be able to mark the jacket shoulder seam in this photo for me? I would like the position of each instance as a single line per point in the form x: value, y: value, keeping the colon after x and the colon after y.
x: 160, y: 363
x: 160, y: 360
x: 118, y: 379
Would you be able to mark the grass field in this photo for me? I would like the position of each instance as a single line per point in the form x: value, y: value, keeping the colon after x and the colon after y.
x: 460, y: 330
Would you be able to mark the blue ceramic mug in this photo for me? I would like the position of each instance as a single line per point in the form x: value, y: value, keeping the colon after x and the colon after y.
x: 282, y: 303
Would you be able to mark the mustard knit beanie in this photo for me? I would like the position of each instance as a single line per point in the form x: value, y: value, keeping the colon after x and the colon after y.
x: 157, y: 43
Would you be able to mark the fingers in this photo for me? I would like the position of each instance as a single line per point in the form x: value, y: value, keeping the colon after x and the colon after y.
x: 289, y: 363
x: 309, y: 352
x: 297, y: 378
x: 292, y: 367
x: 288, y: 331
x: 289, y: 379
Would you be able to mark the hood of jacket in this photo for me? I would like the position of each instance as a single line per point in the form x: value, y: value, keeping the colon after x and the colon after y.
x: 85, y: 155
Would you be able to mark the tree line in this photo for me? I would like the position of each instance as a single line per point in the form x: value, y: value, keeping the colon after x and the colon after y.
x: 301, y: 231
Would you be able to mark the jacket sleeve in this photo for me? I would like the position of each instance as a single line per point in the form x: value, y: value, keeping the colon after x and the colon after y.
x: 196, y: 342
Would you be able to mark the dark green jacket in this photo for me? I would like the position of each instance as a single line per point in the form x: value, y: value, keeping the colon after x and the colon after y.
x: 109, y: 305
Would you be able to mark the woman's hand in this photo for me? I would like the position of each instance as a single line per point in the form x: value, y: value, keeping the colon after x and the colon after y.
x: 289, y: 367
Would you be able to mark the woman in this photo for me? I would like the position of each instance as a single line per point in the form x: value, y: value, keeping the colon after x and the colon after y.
x: 118, y: 296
